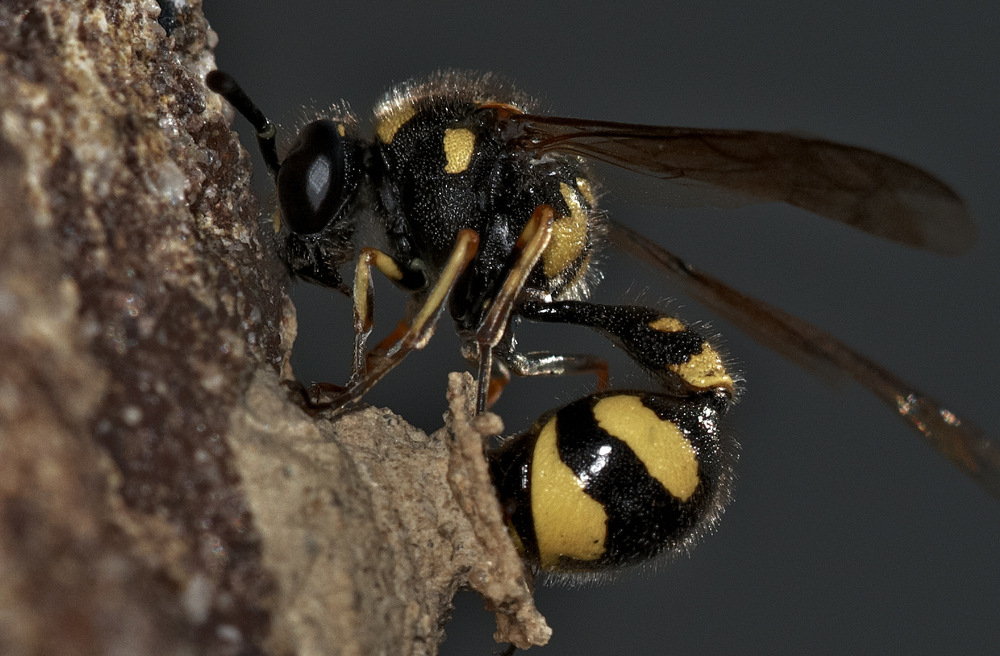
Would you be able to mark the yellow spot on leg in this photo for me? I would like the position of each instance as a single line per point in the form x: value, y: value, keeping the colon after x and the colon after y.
x: 568, y: 522
x: 704, y: 371
x: 459, y: 144
x: 667, y: 325
x: 658, y: 443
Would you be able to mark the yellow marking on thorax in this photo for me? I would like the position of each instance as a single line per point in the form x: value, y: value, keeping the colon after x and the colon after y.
x: 341, y: 130
x: 389, y: 124
x: 658, y: 443
x: 459, y: 144
x: 568, y: 522
x: 667, y: 325
x: 588, y: 192
x: 704, y: 371
x: 569, y: 235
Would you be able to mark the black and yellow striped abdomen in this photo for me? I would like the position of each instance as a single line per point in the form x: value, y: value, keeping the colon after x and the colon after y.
x: 614, y: 479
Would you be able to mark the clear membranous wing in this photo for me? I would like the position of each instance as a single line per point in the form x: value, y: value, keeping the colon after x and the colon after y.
x: 870, y: 191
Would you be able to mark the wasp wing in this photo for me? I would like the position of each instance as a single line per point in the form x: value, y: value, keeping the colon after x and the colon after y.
x: 864, y: 189
x: 957, y: 439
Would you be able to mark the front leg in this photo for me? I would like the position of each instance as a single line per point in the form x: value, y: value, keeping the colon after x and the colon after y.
x: 370, y: 368
x: 408, y: 279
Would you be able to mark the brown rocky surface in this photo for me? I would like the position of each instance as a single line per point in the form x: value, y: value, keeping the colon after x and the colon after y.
x: 159, y: 492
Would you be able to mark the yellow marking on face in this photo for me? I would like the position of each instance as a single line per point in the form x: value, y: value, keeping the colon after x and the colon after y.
x: 658, y: 443
x: 459, y: 144
x: 588, y: 192
x: 704, y: 370
x: 568, y: 522
x: 667, y: 325
x: 341, y: 130
x: 276, y: 221
x: 389, y: 124
x: 569, y: 235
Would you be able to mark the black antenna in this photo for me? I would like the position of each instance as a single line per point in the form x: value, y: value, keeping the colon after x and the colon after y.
x: 224, y: 85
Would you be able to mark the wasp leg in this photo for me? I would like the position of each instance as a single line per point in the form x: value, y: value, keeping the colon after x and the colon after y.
x: 319, y: 395
x: 679, y: 358
x: 416, y: 335
x: 387, y: 342
x: 545, y: 363
x: 531, y: 243
x: 364, y: 299
x: 314, y: 398
x: 498, y: 381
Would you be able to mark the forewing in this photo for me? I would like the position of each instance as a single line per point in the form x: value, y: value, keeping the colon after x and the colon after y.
x: 873, y: 192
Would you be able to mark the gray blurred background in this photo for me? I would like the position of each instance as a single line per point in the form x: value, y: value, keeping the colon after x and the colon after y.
x: 848, y: 535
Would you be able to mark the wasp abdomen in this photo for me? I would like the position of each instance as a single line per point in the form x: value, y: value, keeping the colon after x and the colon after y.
x: 614, y: 479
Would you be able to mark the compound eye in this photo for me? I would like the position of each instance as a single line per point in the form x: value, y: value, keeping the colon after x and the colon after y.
x: 318, y: 177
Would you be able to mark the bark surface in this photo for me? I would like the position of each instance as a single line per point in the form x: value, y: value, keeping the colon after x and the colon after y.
x: 159, y: 491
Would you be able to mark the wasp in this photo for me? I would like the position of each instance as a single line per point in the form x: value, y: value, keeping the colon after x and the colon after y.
x: 485, y: 211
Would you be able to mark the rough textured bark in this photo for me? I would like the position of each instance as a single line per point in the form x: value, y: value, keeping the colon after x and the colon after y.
x: 159, y: 492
